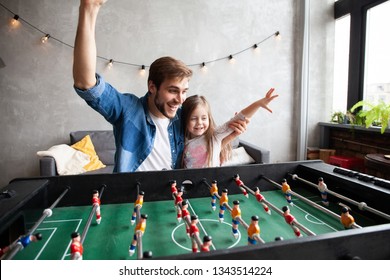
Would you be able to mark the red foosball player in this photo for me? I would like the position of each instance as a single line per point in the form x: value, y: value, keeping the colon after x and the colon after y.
x: 186, y: 215
x: 222, y: 204
x: 96, y: 201
x: 253, y: 230
x: 260, y: 198
x: 290, y: 219
x: 139, y: 228
x: 207, y: 242
x: 323, y: 190
x: 240, y: 185
x: 178, y: 202
x: 287, y: 191
x: 194, y: 231
x: 173, y: 188
x: 137, y: 205
x: 76, y: 248
x: 213, y: 193
x: 236, y: 213
x: 346, y: 218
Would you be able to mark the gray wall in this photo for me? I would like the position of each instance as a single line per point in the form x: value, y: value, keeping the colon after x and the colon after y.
x: 39, y: 107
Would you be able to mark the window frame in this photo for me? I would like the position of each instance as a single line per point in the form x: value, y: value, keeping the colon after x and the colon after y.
x: 357, y: 42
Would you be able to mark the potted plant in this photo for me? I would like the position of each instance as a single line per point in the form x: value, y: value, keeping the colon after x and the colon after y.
x: 338, y: 117
x: 343, y: 118
x: 373, y: 115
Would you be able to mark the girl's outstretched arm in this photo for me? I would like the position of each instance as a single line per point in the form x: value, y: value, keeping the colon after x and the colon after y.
x: 249, y: 111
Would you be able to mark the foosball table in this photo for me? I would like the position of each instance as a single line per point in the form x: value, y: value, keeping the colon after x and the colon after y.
x: 296, y: 218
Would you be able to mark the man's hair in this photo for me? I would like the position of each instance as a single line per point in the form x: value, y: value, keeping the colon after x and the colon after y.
x: 167, y: 68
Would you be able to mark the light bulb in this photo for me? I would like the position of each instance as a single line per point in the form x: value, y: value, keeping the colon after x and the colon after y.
x: 110, y: 63
x: 45, y: 38
x: 15, y: 21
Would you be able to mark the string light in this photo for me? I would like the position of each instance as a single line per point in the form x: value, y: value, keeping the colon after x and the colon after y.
x: 203, y: 67
x: 142, y: 70
x: 45, y: 38
x: 16, y: 21
x: 231, y: 59
x: 110, y: 63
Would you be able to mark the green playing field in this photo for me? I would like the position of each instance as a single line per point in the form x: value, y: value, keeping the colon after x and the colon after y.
x: 164, y: 235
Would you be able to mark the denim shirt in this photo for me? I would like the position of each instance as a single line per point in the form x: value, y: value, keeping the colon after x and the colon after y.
x: 133, y: 128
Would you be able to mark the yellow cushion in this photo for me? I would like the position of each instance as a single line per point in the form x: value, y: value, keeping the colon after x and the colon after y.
x: 85, y: 145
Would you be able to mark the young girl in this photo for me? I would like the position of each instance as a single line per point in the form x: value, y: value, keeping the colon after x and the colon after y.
x: 203, y: 147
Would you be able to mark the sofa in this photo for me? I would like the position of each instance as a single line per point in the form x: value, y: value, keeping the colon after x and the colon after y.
x: 104, y: 144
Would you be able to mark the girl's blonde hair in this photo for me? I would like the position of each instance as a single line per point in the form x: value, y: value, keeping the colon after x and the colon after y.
x: 189, y: 105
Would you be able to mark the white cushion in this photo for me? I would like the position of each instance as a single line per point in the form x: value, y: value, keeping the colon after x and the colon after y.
x: 239, y: 157
x: 69, y: 161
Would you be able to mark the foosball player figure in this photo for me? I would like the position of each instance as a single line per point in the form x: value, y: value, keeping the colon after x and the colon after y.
x: 260, y: 198
x: 236, y: 213
x: 186, y: 215
x: 139, y: 228
x: 207, y: 242
x: 213, y: 194
x: 222, y: 204
x: 253, y: 230
x: 240, y: 184
x: 323, y: 189
x: 346, y: 218
x: 173, y: 188
x: 194, y: 231
x: 24, y: 240
x: 76, y: 248
x: 290, y: 219
x: 287, y: 191
x: 178, y: 202
x: 137, y: 205
x: 96, y: 201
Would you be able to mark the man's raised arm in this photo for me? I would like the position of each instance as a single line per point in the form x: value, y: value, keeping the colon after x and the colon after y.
x: 84, y: 64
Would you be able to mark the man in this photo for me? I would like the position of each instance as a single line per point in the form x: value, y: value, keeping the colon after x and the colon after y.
x: 148, y: 132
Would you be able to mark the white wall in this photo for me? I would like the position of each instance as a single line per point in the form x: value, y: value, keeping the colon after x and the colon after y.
x: 39, y: 108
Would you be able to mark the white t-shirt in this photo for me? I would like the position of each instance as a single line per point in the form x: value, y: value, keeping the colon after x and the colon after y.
x: 160, y: 158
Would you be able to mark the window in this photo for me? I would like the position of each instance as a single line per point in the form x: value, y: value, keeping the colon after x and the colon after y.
x: 340, y: 78
x: 368, y: 40
x: 377, y: 55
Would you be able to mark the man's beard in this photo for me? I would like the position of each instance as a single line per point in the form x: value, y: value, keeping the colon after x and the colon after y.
x: 160, y: 106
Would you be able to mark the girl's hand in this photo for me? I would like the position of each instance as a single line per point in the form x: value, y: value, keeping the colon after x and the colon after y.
x: 267, y: 99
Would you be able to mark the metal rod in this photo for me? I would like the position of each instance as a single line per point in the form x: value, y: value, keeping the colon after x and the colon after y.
x: 242, y: 222
x: 196, y: 237
x: 304, y: 199
x: 48, y: 212
x: 139, y: 234
x: 139, y: 245
x: 360, y: 205
x: 88, y: 224
x: 280, y: 212
x: 15, y: 246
